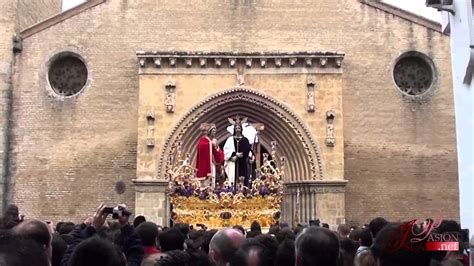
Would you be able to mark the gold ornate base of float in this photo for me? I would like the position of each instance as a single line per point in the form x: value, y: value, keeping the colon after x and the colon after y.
x: 227, y: 210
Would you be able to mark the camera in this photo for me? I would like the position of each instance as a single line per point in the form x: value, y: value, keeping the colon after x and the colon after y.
x: 115, y: 211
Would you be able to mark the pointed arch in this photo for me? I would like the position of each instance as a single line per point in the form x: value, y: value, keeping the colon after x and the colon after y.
x: 302, y: 153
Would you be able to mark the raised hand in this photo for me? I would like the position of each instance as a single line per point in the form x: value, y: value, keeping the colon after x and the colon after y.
x: 99, y: 217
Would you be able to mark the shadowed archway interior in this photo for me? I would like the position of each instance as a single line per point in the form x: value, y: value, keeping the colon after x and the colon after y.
x: 303, y: 161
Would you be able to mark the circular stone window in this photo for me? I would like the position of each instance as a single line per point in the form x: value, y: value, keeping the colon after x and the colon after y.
x: 67, y: 74
x: 414, y: 74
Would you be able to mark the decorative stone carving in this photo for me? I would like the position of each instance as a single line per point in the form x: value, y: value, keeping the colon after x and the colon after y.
x: 202, y: 62
x: 170, y: 97
x: 330, y: 139
x: 248, y: 62
x: 232, y: 62
x: 189, y: 62
x: 311, y: 104
x: 293, y: 61
x: 173, y: 61
x: 157, y: 62
x: 218, y: 62
x: 150, y: 133
x: 305, y: 59
x: 273, y: 145
x: 323, y: 61
x: 278, y: 62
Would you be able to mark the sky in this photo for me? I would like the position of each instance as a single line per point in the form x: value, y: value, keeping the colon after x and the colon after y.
x: 415, y: 6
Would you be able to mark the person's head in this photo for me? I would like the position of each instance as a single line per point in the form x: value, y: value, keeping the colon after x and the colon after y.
x: 348, y: 246
x: 283, y: 225
x: 37, y: 231
x: 274, y: 229
x: 148, y: 232
x: 270, y: 243
x: 97, y: 251
x: 11, y: 217
x: 388, y: 254
x: 316, y: 222
x: 240, y: 228
x: 224, y: 244
x: 317, y: 246
x: 206, y: 240
x: 66, y: 228
x: 21, y: 251
x: 255, y: 226
x: 58, y: 226
x: 376, y: 225
x: 343, y: 230
x: 285, y: 254
x: 251, y: 254
x: 355, y: 234
x: 365, y: 238
x: 138, y: 220
x: 183, y: 228
x: 237, y: 130
x: 325, y: 225
x: 285, y: 233
x: 59, y: 248
x: 171, y: 239
x: 212, y: 131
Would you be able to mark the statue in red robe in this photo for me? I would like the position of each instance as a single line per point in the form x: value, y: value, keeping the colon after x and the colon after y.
x: 210, y: 156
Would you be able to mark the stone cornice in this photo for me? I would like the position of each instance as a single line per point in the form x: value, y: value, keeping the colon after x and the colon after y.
x: 316, y: 186
x: 401, y: 13
x: 175, y: 59
x: 49, y: 22
x: 342, y: 183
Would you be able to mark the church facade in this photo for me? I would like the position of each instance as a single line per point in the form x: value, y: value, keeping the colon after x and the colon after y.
x: 103, y: 93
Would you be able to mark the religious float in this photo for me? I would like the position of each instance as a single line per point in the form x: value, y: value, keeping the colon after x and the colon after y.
x: 226, y: 205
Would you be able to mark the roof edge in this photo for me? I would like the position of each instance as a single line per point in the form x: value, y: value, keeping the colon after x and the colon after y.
x: 60, y: 17
x: 404, y: 14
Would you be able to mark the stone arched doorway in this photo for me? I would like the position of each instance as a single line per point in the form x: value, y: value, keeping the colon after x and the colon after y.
x: 302, y: 153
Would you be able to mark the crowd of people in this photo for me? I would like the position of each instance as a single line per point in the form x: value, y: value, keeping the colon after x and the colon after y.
x: 123, y: 241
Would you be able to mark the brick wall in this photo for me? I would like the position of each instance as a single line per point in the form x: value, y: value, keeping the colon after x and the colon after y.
x: 400, y: 156
x: 31, y: 12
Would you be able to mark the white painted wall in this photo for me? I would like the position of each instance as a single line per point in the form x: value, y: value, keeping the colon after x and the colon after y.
x: 462, y: 36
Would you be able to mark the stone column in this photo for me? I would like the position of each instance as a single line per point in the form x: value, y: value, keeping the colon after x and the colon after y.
x: 309, y: 200
x: 151, y: 200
